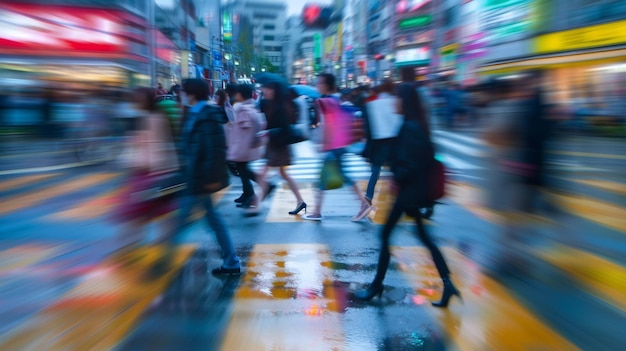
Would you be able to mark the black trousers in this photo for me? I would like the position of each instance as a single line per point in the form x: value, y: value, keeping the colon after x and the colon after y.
x: 385, y: 255
x: 247, y: 177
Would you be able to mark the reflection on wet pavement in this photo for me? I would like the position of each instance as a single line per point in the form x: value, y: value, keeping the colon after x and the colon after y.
x: 490, y: 318
x: 286, y: 300
x: 97, y: 312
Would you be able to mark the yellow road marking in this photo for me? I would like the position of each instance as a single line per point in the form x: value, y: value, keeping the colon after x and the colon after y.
x: 98, y: 313
x: 94, y: 208
x: 25, y: 255
x: 21, y: 181
x: 588, y: 154
x: 598, y: 275
x: 472, y: 199
x: 286, y: 301
x: 21, y: 201
x: 604, y: 278
x: 489, y: 319
x: 615, y: 187
x: 603, y: 213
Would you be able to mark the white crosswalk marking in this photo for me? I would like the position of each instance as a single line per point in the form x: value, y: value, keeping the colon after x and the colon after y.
x: 459, y: 152
x: 462, y: 138
x: 308, y: 169
x: 453, y: 162
x: 460, y: 148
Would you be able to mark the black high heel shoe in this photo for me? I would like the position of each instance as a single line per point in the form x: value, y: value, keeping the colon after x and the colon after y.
x: 369, y: 293
x: 301, y: 206
x: 449, y: 290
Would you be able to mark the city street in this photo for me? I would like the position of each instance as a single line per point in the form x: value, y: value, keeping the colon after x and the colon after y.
x: 61, y: 290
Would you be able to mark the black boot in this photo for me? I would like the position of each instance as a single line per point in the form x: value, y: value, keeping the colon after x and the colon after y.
x: 449, y: 290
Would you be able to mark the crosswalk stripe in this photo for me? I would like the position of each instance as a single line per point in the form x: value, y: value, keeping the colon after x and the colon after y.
x: 284, y: 201
x: 25, y: 255
x: 588, y: 154
x: 453, y: 162
x: 26, y: 180
x: 463, y: 138
x: 492, y: 318
x: 603, y: 213
x: 99, y: 312
x: 464, y: 149
x: 595, y: 273
x: 286, y: 301
x: 21, y: 201
x: 619, y: 188
x: 94, y: 208
x: 599, y: 275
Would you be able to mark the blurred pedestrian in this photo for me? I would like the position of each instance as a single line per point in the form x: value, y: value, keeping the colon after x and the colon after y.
x: 510, y: 192
x: 336, y: 137
x: 412, y: 162
x: 160, y: 90
x: 153, y: 154
x: 384, y: 125
x: 281, y: 113
x: 203, y: 150
x: 244, y: 143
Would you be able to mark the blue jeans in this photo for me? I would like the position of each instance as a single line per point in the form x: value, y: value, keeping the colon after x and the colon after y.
x: 188, y: 202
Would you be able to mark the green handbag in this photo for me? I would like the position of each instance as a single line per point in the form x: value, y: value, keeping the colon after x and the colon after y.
x: 331, y: 177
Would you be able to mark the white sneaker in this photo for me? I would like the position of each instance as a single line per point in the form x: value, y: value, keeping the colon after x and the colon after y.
x: 312, y: 217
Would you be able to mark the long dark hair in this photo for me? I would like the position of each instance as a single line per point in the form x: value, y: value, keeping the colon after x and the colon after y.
x: 412, y: 107
x: 281, y: 106
x: 146, y: 97
x: 221, y: 97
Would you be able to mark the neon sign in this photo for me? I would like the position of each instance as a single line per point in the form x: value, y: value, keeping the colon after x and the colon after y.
x: 36, y: 27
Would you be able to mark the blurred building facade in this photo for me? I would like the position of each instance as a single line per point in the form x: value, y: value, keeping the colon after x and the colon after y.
x: 105, y: 43
x: 209, y: 42
x: 581, y: 46
x: 268, y: 20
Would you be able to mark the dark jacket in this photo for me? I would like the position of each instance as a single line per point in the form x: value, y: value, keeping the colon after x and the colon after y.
x: 411, y: 165
x: 204, y: 151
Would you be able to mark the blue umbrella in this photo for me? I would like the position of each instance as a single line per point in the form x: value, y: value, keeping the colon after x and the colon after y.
x: 264, y: 78
x: 306, y: 90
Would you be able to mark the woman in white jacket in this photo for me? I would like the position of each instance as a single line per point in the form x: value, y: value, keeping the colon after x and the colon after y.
x: 384, y: 125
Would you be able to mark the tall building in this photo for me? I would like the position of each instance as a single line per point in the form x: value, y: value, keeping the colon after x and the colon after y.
x: 379, y: 44
x: 268, y: 19
x: 308, y: 56
x: 413, y: 32
x: 293, y: 34
x: 209, y: 41
x: 175, y: 41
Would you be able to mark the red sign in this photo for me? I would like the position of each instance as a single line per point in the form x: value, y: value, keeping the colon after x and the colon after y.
x: 46, y: 30
x: 165, y: 48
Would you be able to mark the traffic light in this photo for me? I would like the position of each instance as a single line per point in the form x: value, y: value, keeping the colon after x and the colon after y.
x: 316, y: 16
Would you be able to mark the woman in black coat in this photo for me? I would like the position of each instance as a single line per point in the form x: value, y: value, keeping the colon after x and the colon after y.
x: 412, y: 163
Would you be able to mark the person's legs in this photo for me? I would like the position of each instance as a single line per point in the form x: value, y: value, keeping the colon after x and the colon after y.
x: 292, y: 184
x: 246, y: 182
x: 221, y: 233
x: 371, y: 185
x: 385, y: 255
x: 440, y: 262
x: 262, y: 182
